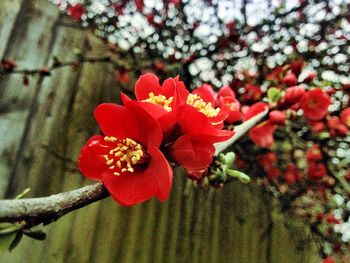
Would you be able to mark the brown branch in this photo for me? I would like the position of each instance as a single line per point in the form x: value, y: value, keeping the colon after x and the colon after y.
x: 48, y: 209
x: 46, y: 71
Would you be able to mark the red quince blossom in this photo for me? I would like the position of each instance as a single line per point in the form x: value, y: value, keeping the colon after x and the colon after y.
x: 252, y: 93
x: 310, y: 77
x: 140, y: 5
x: 315, y: 104
x: 336, y: 127
x: 345, y: 116
x: 76, y: 11
x: 254, y: 110
x: 292, y: 175
x: 123, y: 76
x: 160, y: 100
x: 226, y: 100
x: 189, y: 137
x: 331, y: 219
x: 314, y: 153
x: 203, y: 99
x: 232, y: 106
x: 316, y: 170
x: 328, y: 260
x: 293, y: 95
x: 277, y: 117
x: 127, y: 159
x: 156, y: 99
x: 296, y: 66
x: 226, y: 91
x: 262, y: 134
x: 317, y: 126
x: 273, y: 172
x: 290, y: 80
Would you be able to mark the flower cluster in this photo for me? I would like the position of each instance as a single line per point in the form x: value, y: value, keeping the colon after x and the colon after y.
x: 165, y: 125
x: 300, y: 152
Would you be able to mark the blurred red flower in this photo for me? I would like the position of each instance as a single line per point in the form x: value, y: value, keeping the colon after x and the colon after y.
x: 315, y: 104
x: 76, y: 11
x: 262, y: 134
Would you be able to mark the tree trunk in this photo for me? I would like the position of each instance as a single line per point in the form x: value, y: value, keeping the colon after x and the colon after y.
x: 52, y: 117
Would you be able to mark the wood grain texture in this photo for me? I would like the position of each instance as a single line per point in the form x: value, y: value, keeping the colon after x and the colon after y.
x: 234, y: 224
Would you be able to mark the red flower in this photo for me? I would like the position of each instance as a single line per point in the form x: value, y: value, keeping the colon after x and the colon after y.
x: 292, y: 175
x: 262, y: 134
x: 122, y: 76
x: 140, y: 5
x: 336, y: 127
x: 317, y: 126
x: 345, y: 116
x: 290, y: 80
x: 203, y: 99
x: 310, y: 77
x: 315, y: 104
x: 189, y: 137
x: 277, y: 117
x: 252, y: 93
x: 232, y: 106
x: 293, y: 95
x: 296, y: 66
x: 160, y: 100
x: 226, y: 100
x: 328, y: 260
x: 314, y: 153
x: 127, y: 159
x: 273, y: 172
x: 226, y: 91
x: 76, y: 11
x: 254, y: 110
x: 316, y: 170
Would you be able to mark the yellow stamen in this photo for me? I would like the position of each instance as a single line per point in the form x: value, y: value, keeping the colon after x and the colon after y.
x: 206, y: 108
x: 124, y: 156
x: 160, y: 100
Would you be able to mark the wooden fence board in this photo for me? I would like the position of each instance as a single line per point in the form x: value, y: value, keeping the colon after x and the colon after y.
x: 194, y: 225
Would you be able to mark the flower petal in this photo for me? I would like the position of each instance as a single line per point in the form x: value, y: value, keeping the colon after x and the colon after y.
x: 161, y: 170
x: 128, y: 122
x: 192, y: 154
x: 133, y: 188
x: 91, y: 161
x: 146, y: 84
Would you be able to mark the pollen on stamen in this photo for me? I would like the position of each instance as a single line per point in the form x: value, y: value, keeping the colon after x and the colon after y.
x: 126, y: 154
x: 203, y: 107
x: 160, y: 100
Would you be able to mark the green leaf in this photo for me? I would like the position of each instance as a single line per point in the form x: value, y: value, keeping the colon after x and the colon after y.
x: 26, y: 191
x: 274, y: 94
x: 38, y: 235
x: 16, y: 241
x: 5, y: 242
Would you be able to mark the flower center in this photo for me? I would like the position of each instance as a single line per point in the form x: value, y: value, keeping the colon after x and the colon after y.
x: 206, y: 108
x: 124, y: 155
x: 160, y: 100
x: 313, y: 104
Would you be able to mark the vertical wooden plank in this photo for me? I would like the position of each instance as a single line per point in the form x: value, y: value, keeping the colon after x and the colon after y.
x: 30, y: 46
x: 8, y: 14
